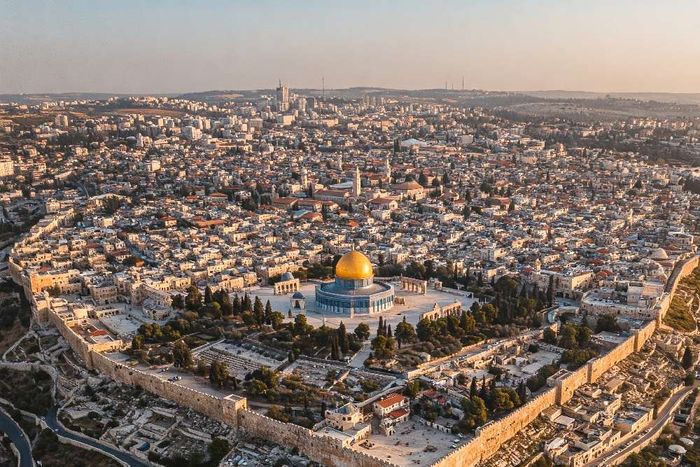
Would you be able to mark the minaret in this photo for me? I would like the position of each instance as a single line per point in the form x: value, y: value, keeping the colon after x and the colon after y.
x: 304, y: 177
x: 387, y: 167
x: 356, y: 184
x: 339, y: 161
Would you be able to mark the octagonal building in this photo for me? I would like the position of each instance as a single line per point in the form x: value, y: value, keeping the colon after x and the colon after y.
x: 354, y: 290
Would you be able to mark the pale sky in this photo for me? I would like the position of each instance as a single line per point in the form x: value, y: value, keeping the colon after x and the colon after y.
x: 169, y: 46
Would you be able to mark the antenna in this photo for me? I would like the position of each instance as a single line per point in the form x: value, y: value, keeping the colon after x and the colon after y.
x: 462, y: 83
x: 323, y: 87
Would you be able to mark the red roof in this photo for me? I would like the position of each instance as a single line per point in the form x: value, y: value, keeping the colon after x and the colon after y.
x: 391, y: 400
x: 398, y: 413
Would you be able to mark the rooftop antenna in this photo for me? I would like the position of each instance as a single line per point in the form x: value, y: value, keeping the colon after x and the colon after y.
x: 323, y: 87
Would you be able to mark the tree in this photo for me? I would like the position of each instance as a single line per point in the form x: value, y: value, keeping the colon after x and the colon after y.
x: 259, y: 311
x: 246, y: 304
x: 207, y: 295
x: 178, y: 302
x: 182, y: 356
x: 276, y: 320
x: 607, y: 323
x: 278, y: 413
x: 689, y: 379
x: 383, y: 347
x: 405, y: 332
x: 550, y: 291
x: 425, y: 329
x: 549, y: 336
x: 687, y: 360
x: 218, y: 449
x: 226, y: 305
x: 568, y: 336
x: 412, y: 389
x: 472, y: 388
x: 218, y: 373
x: 193, y: 301
x: 475, y: 413
x: 504, y: 399
x: 301, y: 327
x: 362, y: 331
x: 467, y: 322
x: 137, y: 342
x: 268, y: 313
x: 342, y: 338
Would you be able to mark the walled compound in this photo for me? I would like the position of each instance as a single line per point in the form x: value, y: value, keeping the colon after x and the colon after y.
x: 322, y: 448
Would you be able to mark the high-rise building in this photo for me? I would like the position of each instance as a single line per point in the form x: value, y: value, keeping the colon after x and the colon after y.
x: 191, y: 133
x: 282, y: 97
x: 61, y: 121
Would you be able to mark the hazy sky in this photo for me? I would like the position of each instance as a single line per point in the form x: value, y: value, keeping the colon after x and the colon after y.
x: 174, y: 46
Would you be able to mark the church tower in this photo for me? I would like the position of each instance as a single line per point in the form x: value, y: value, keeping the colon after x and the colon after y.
x: 356, y: 183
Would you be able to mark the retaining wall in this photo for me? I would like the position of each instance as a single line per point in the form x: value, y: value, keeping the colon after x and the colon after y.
x: 317, y: 447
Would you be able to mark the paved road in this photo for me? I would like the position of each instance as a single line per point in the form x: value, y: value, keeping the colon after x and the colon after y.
x: 358, y: 361
x: 52, y: 422
x: 18, y: 438
x: 658, y: 424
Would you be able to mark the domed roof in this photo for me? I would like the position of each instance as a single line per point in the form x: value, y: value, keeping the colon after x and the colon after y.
x: 354, y: 266
x: 659, y: 254
x: 287, y: 276
x: 298, y: 295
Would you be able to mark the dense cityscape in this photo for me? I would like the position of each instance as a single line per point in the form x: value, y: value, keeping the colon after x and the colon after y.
x: 294, y: 277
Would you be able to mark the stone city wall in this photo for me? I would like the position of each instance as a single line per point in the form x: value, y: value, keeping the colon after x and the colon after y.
x: 223, y: 409
x: 568, y: 385
x: 317, y: 447
x: 680, y: 271
x: 329, y: 451
x: 491, y: 436
x: 600, y: 365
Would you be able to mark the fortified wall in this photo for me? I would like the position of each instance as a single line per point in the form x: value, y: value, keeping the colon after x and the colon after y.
x: 491, y: 436
x: 329, y: 451
x: 223, y: 409
x: 319, y: 448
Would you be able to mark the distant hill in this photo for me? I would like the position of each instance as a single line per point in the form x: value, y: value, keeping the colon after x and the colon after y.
x: 63, y: 96
x: 573, y: 105
x: 671, y: 97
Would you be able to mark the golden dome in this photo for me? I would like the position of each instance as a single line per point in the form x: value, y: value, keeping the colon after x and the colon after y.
x: 353, y: 266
